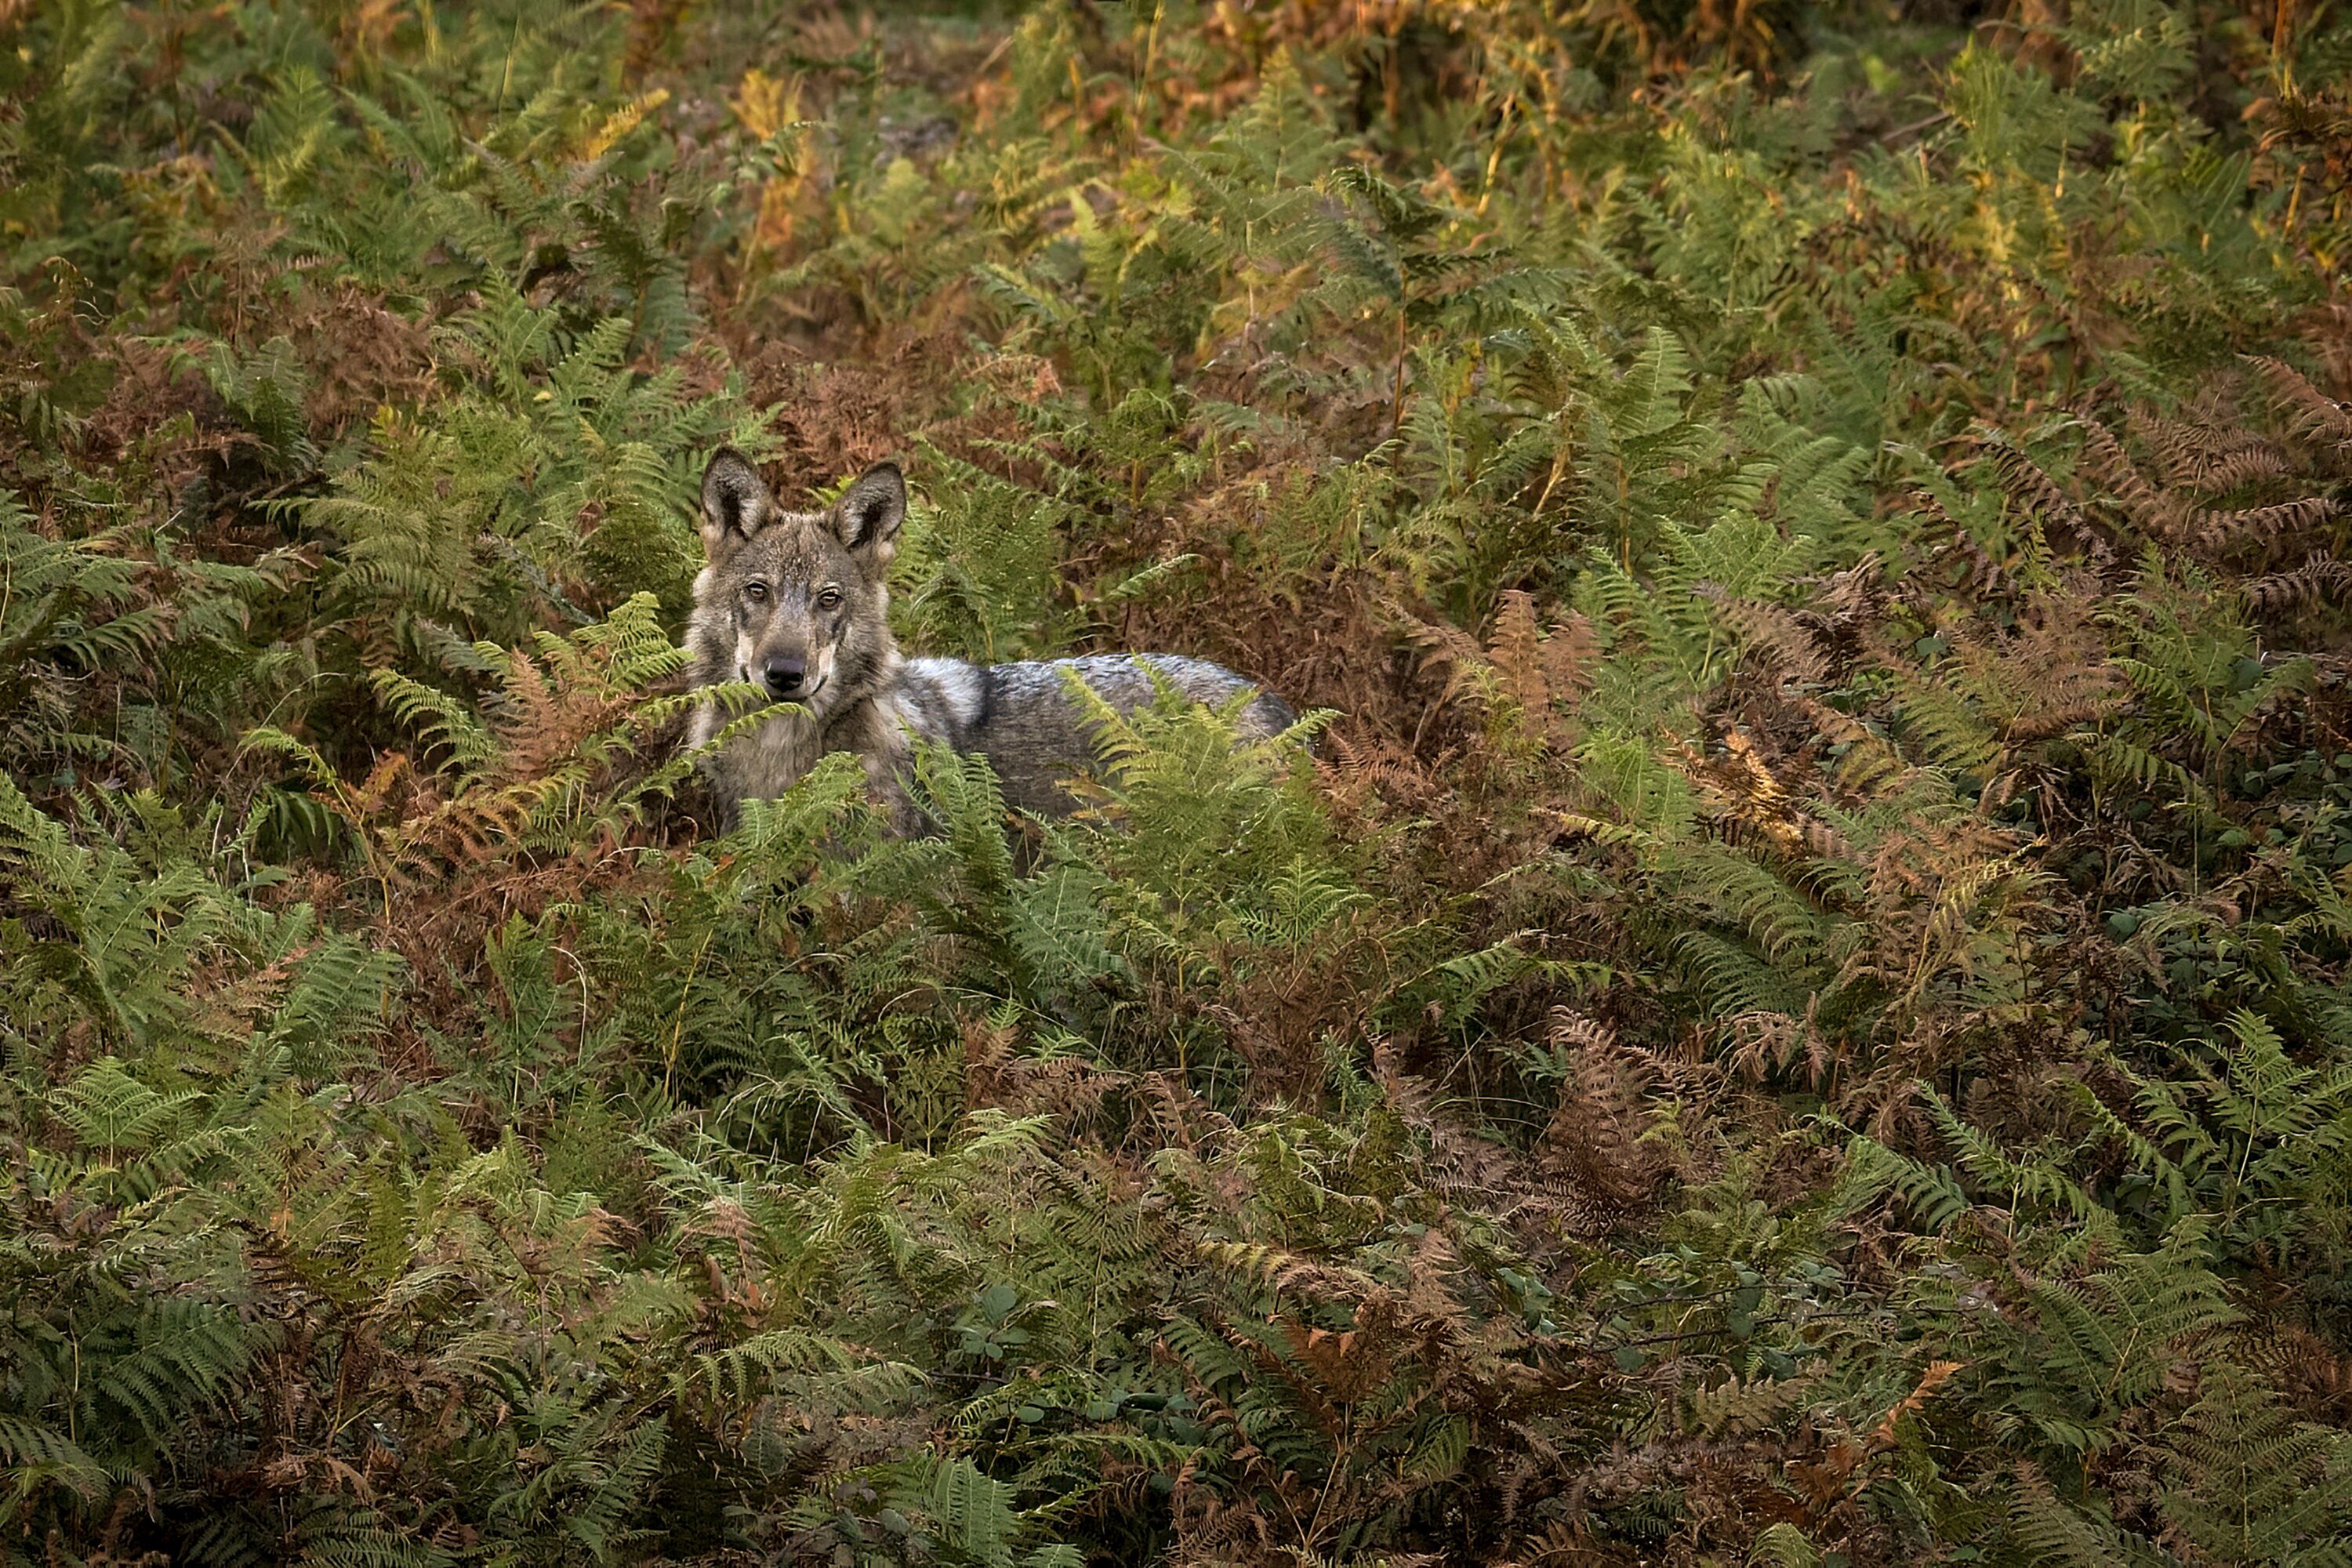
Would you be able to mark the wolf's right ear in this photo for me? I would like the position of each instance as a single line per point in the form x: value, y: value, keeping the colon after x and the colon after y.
x: 735, y: 501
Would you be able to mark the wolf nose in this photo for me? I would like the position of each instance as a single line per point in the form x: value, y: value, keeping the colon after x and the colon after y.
x: 784, y: 676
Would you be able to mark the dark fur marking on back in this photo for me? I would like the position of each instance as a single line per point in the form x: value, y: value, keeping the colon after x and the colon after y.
x: 987, y: 698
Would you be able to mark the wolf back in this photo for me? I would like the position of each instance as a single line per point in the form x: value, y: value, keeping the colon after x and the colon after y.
x: 1025, y: 720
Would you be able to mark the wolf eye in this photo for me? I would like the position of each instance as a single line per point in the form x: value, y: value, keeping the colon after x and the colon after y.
x: 829, y: 599
x: 756, y: 592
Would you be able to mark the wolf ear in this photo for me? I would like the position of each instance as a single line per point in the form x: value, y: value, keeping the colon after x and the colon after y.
x: 735, y: 500
x: 867, y: 516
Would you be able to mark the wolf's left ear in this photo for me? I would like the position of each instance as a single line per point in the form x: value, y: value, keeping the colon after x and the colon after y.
x: 867, y: 516
x: 735, y: 501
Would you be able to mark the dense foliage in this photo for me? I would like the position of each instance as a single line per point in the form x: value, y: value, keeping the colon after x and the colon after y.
x: 1800, y: 1013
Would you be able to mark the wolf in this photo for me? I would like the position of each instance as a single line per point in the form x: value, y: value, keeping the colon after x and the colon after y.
x: 797, y: 602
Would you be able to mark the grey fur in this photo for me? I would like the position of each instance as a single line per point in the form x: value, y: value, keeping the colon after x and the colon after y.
x: 806, y: 594
x: 1024, y: 720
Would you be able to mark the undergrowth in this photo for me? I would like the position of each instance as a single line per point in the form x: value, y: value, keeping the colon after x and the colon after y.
x: 1797, y: 1014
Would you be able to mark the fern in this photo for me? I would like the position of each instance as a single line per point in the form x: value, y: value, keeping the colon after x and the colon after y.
x: 1787, y: 1003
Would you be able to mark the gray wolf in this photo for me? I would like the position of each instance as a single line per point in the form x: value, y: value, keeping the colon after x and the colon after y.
x: 797, y: 602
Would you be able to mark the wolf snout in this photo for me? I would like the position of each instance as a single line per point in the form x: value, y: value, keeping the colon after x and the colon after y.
x: 784, y: 674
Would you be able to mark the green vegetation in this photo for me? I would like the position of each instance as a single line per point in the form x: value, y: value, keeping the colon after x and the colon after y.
x: 1801, y: 1013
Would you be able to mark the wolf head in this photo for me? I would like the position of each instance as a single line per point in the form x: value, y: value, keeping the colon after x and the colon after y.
x: 793, y: 600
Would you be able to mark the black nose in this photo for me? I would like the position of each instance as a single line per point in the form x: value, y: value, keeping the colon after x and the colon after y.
x: 785, y: 675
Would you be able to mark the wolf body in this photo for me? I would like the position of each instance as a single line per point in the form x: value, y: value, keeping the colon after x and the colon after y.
x: 797, y: 602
